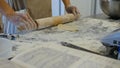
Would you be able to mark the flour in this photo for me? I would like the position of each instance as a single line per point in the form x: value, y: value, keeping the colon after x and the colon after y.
x: 53, y: 55
x: 89, y: 33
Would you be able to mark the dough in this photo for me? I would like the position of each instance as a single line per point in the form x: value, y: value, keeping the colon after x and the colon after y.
x: 72, y: 28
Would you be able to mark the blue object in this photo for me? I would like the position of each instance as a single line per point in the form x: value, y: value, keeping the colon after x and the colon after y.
x: 119, y: 52
x: 119, y: 49
x: 111, y: 39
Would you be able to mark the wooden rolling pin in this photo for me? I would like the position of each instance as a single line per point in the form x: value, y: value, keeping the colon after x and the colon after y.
x: 53, y: 21
x: 47, y: 22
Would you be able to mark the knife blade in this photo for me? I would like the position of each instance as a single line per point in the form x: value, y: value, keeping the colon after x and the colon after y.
x: 79, y: 48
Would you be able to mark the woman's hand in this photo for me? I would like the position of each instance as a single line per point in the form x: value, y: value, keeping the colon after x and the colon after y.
x: 23, y: 21
x: 73, y: 10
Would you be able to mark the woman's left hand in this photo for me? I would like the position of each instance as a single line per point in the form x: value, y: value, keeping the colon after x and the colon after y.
x: 73, y: 10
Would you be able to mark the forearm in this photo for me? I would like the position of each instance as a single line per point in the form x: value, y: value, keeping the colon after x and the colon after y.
x: 66, y: 3
x: 5, y: 8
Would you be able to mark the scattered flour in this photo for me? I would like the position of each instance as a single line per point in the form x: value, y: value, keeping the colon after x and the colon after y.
x: 89, y: 33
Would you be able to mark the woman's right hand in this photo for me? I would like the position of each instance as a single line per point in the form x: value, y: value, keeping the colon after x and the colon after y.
x: 17, y: 20
x: 23, y: 21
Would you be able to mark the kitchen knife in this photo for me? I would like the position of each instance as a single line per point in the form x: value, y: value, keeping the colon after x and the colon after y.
x: 79, y: 48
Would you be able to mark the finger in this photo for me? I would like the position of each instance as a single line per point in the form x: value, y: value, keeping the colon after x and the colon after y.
x: 77, y: 14
x: 34, y: 25
x: 74, y: 11
x: 77, y: 11
x: 25, y: 21
x: 23, y: 24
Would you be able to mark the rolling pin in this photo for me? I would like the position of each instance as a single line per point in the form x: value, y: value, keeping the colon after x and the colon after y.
x: 49, y: 21
x: 53, y: 21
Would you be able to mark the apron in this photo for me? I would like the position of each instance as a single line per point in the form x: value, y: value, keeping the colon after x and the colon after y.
x: 38, y: 9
